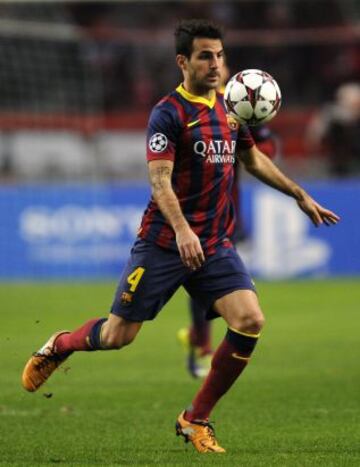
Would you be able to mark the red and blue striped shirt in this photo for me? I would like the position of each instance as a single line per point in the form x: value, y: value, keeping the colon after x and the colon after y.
x: 196, y: 134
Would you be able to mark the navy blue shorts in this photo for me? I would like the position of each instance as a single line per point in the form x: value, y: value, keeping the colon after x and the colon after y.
x: 153, y: 274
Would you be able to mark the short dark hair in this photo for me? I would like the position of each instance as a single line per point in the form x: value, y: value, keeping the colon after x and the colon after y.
x: 188, y: 30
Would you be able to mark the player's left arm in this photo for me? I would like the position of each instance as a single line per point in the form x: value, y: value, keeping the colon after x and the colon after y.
x: 264, y: 169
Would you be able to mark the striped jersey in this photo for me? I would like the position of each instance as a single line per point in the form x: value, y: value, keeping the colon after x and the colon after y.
x: 197, y: 135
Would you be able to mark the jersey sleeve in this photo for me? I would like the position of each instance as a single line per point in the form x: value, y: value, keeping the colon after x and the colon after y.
x: 244, y: 138
x: 162, y: 132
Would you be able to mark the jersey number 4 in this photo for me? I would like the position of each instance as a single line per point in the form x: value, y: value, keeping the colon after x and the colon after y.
x: 135, y: 277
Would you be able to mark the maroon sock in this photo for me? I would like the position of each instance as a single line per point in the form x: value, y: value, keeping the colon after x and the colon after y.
x: 200, y: 330
x: 76, y: 340
x: 225, y: 369
x: 200, y: 337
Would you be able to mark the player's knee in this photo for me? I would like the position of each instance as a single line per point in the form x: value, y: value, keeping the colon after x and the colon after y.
x: 252, y: 321
x: 257, y: 322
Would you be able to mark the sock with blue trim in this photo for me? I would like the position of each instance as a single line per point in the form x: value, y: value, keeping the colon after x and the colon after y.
x: 86, y: 338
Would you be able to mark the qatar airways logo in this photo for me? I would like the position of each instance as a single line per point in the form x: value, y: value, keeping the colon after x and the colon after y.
x: 216, y: 151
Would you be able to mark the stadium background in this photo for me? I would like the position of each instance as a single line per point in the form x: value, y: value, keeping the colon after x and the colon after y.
x: 77, y: 81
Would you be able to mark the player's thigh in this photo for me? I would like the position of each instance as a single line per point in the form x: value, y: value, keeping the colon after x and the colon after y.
x: 224, y: 286
x: 149, y: 280
x: 241, y: 310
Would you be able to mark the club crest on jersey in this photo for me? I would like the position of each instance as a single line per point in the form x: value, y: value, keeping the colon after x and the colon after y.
x: 233, y: 124
x: 158, y: 142
x: 216, y: 151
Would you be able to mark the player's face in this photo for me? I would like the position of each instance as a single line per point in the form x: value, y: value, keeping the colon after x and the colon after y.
x: 202, y: 71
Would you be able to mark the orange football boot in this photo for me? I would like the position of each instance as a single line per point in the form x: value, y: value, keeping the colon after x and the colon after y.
x: 199, y: 432
x: 42, y: 364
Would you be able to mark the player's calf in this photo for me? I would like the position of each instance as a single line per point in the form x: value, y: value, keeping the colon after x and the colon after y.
x: 229, y: 361
x: 117, y: 332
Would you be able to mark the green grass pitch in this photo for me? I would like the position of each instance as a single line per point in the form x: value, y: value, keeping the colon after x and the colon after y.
x: 296, y: 405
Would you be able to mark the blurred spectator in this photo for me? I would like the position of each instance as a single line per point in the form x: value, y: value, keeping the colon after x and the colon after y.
x: 336, y: 128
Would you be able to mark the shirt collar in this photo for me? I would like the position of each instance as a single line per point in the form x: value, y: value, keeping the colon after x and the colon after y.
x: 200, y: 100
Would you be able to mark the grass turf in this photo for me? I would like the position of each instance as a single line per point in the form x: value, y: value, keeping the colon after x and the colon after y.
x: 296, y: 405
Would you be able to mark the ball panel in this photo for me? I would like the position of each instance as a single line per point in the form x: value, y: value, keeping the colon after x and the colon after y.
x: 238, y: 92
x: 262, y: 109
x: 278, y: 91
x: 253, y: 81
x: 269, y: 117
x: 228, y: 88
x: 244, y: 111
x: 251, y: 71
x: 268, y: 91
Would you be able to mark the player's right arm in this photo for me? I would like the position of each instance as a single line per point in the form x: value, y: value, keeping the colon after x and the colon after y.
x: 188, y: 242
x: 163, y: 133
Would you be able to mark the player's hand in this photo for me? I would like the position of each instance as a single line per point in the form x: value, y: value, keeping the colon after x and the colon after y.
x: 191, y: 252
x: 316, y: 212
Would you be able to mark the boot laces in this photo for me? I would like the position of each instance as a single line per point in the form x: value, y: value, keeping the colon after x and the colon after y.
x: 46, y: 360
x: 209, y: 429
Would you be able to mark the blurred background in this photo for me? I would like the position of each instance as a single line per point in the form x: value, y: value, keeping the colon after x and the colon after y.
x: 77, y: 82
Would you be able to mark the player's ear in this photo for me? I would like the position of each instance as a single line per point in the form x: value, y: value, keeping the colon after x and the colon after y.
x: 181, y: 61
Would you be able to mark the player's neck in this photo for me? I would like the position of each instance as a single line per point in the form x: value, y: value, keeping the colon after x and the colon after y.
x: 205, y: 93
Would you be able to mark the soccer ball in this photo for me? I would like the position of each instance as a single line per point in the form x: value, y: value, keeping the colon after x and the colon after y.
x: 252, y: 97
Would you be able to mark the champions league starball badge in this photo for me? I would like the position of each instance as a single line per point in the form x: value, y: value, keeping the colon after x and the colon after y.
x: 158, y: 142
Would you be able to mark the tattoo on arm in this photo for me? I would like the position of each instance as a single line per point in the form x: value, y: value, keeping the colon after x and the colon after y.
x: 159, y: 178
x: 164, y: 195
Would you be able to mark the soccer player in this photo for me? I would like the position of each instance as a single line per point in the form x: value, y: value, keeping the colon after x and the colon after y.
x: 184, y: 234
x: 196, y: 339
